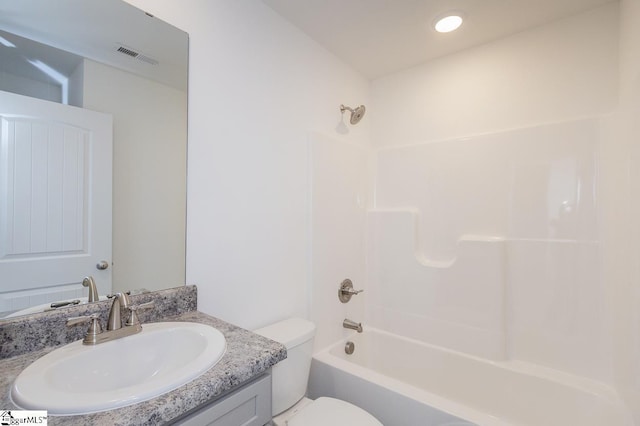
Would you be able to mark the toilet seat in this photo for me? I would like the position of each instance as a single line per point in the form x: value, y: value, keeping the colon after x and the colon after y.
x: 330, y: 411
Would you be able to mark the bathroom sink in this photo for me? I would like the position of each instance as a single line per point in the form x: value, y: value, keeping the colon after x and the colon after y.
x: 81, y: 379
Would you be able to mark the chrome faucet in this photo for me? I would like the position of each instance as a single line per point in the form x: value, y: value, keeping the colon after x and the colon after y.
x: 93, y: 290
x: 115, y: 327
x: 352, y: 325
x: 120, y: 301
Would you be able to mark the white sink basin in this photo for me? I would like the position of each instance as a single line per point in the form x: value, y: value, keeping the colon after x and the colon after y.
x: 80, y: 379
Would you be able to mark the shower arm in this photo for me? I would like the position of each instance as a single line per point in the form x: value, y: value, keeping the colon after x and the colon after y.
x: 344, y: 108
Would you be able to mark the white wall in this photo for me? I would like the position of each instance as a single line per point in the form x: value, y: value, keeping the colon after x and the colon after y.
x: 257, y: 88
x: 620, y: 209
x: 25, y: 86
x: 627, y: 346
x: 563, y: 70
x: 76, y: 83
x: 149, y: 182
x: 338, y: 208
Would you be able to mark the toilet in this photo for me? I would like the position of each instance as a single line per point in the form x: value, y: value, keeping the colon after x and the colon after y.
x: 289, y: 383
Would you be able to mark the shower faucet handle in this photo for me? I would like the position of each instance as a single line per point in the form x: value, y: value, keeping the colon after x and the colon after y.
x: 346, y: 291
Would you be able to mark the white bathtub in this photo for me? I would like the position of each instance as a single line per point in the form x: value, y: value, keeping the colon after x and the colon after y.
x: 404, y: 382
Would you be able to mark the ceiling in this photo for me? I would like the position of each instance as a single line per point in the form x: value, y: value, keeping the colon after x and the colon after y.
x: 378, y: 37
x: 16, y: 61
x: 95, y: 30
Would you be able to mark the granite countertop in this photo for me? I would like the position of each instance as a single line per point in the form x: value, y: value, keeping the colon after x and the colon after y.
x: 248, y: 355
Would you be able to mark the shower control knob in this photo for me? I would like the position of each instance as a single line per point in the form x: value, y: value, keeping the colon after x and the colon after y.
x: 346, y: 291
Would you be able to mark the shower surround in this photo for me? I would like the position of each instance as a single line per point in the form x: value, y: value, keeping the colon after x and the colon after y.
x: 489, y: 245
x: 481, y: 258
x: 495, y: 185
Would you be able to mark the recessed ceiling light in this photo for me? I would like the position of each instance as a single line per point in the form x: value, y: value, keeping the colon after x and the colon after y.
x: 448, y: 23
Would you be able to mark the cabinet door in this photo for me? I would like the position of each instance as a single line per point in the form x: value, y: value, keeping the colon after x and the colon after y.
x: 250, y: 405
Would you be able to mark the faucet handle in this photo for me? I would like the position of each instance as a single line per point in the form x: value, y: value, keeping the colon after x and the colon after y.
x: 83, y: 319
x: 95, y: 327
x: 133, y: 318
x: 346, y: 291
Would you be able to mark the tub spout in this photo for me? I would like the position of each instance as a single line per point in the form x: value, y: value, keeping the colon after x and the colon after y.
x: 357, y: 326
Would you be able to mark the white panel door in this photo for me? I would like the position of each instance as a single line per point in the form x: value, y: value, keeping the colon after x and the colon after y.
x: 55, y: 194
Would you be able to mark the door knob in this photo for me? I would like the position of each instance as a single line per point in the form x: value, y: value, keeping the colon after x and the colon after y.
x: 102, y: 265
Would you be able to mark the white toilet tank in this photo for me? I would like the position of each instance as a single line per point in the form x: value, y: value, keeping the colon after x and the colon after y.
x: 290, y: 377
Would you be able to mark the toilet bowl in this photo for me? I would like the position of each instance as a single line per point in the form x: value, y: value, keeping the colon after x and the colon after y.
x: 289, y: 383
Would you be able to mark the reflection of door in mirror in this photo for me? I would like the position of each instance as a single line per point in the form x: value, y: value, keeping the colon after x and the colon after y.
x: 55, y: 200
x: 81, y: 53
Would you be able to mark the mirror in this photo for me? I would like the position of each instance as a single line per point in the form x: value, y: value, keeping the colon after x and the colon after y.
x: 115, y: 62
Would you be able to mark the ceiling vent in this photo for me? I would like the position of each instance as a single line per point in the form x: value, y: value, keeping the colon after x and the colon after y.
x: 132, y: 53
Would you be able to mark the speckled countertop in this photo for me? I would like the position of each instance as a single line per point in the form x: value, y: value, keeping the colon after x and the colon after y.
x: 248, y: 356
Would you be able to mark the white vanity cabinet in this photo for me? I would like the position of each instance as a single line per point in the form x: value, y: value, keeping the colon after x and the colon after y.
x: 248, y: 405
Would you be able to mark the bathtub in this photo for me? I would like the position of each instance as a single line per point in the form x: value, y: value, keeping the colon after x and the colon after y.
x: 404, y: 382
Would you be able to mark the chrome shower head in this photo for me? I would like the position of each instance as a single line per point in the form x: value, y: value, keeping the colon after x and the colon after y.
x: 356, y: 114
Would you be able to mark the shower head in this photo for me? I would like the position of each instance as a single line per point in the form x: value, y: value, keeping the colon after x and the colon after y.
x: 356, y: 114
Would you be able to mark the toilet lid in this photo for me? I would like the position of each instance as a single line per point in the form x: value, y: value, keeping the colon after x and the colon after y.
x: 330, y: 411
